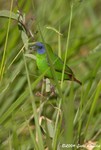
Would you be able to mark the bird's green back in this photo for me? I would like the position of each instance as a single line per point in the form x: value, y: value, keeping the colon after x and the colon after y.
x: 43, y: 64
x: 58, y: 63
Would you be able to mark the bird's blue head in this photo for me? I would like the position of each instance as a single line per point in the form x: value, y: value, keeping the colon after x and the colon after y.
x: 39, y: 47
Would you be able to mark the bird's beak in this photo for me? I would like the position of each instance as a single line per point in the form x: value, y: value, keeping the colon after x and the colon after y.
x: 32, y: 47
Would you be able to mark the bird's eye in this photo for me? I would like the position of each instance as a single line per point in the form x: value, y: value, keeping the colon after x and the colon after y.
x: 40, y: 47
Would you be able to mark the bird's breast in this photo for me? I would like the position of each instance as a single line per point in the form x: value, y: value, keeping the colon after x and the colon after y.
x: 41, y: 62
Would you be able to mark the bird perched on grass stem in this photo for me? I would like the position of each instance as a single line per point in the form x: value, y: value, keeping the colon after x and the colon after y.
x: 43, y: 63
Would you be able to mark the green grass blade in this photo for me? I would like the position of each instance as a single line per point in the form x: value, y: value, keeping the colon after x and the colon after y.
x: 93, y: 106
x: 8, y: 14
x: 20, y: 100
x: 41, y: 145
x: 67, y: 45
x: 2, y: 67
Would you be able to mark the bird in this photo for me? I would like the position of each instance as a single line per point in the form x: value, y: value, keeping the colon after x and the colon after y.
x: 43, y: 63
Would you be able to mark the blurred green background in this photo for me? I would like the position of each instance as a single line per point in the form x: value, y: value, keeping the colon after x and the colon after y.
x: 84, y: 57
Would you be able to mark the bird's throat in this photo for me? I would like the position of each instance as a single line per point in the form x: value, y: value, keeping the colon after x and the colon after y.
x: 41, y: 51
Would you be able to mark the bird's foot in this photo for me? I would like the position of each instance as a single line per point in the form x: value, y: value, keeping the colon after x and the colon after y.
x: 39, y: 94
x: 52, y: 91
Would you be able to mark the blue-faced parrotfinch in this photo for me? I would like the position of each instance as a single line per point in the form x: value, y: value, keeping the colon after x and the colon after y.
x: 43, y: 63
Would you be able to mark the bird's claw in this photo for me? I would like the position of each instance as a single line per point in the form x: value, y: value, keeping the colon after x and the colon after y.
x: 39, y: 94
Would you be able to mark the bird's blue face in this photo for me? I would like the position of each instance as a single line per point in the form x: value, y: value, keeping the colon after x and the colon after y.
x: 40, y: 48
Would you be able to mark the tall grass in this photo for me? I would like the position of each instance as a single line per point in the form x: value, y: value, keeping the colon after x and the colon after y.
x: 72, y: 117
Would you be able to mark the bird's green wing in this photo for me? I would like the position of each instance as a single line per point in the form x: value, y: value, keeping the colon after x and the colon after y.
x: 58, y: 63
